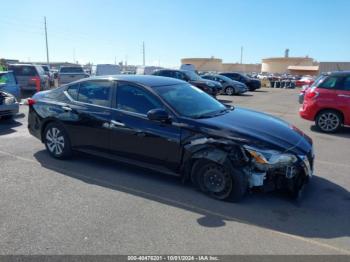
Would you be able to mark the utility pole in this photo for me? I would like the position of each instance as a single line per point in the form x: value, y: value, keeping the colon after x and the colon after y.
x: 47, y: 45
x: 143, y: 54
x: 241, y: 54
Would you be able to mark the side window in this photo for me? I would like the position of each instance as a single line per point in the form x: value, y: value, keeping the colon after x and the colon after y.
x: 346, y: 84
x: 73, y: 91
x: 95, y: 92
x: 135, y: 99
x: 179, y: 75
x: 329, y: 83
x: 165, y: 73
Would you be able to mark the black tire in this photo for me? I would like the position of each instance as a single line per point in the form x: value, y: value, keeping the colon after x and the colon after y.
x: 230, y: 91
x: 221, y: 182
x: 56, y: 141
x: 329, y: 121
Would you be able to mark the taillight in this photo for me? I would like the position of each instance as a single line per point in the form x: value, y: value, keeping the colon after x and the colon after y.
x: 312, y: 94
x: 30, y: 101
x: 36, y: 80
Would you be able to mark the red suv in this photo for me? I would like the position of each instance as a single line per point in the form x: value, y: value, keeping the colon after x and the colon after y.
x: 327, y: 102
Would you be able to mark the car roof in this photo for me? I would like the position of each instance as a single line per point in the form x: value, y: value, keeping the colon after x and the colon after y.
x: 23, y: 65
x: 147, y: 80
x: 338, y: 73
x: 5, y: 72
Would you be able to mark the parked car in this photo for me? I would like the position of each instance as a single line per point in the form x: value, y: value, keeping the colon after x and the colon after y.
x: 8, y: 84
x: 304, y: 81
x: 147, y: 70
x: 30, y: 77
x: 107, y: 69
x: 229, y: 86
x: 9, y: 106
x: 171, y: 126
x: 49, y: 74
x: 304, y: 88
x: 327, y: 102
x: 188, y: 67
x: 68, y: 74
x: 211, y: 87
x: 252, y: 84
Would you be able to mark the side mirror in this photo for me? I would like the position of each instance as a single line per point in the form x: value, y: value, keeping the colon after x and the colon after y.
x: 158, y: 114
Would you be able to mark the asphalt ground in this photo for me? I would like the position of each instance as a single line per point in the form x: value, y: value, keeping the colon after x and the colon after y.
x: 89, y: 205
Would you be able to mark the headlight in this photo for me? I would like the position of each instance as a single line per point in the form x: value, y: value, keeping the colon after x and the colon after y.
x: 9, y: 100
x: 271, y: 157
x: 210, y: 84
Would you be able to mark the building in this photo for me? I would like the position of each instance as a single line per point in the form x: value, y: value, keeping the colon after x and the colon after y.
x: 204, y: 64
x: 243, y: 68
x: 333, y: 66
x: 216, y: 65
x: 288, y: 65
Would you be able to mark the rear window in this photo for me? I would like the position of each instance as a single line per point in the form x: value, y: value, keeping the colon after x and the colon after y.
x: 24, y: 70
x: 7, y: 78
x: 71, y: 70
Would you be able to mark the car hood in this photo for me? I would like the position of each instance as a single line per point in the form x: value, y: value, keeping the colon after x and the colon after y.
x: 257, y: 129
x: 206, y: 81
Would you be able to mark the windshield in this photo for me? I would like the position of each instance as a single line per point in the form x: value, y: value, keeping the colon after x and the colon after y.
x: 71, y: 70
x: 46, y: 69
x: 192, y: 75
x: 190, y: 101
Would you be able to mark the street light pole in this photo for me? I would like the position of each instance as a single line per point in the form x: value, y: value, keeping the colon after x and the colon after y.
x: 47, y: 45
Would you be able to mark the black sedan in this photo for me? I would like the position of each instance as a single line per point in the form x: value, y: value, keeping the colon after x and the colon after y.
x: 213, y: 88
x: 252, y: 83
x: 173, y: 127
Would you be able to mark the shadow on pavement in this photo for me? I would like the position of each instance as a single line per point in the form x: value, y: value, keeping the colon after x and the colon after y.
x: 343, y: 132
x: 7, y: 126
x: 322, y: 213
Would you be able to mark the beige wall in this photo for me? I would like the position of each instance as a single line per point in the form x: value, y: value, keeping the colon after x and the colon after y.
x: 204, y: 64
x: 244, y: 68
x: 280, y: 64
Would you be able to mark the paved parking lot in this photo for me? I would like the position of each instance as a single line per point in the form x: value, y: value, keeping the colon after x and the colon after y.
x: 92, y: 206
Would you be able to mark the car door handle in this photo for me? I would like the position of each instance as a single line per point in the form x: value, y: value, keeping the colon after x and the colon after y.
x: 66, y: 108
x: 116, y: 123
x: 344, y: 95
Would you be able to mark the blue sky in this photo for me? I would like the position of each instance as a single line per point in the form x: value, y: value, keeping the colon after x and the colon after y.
x: 100, y: 30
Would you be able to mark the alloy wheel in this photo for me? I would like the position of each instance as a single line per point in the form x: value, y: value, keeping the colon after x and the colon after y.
x: 329, y: 121
x: 55, y: 141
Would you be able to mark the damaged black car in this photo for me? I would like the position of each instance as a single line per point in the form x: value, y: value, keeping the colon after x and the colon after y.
x: 172, y: 127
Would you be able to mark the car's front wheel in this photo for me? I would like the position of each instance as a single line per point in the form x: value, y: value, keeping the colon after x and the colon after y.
x: 221, y: 182
x: 56, y: 141
x: 329, y: 121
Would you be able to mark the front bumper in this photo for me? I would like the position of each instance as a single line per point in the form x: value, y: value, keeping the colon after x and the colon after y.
x: 8, y: 110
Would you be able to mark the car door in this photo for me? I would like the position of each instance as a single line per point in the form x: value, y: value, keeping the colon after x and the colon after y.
x: 343, y: 98
x: 90, y: 114
x: 135, y: 136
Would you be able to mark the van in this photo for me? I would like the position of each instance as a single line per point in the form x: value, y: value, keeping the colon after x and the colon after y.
x: 107, y: 69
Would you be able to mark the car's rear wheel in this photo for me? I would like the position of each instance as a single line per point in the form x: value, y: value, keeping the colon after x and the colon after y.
x: 329, y: 121
x: 229, y: 91
x: 57, y: 141
x: 221, y: 182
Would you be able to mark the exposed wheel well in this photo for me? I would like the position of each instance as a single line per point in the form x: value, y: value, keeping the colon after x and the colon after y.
x: 331, y: 109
